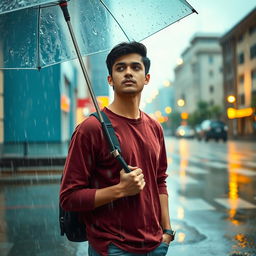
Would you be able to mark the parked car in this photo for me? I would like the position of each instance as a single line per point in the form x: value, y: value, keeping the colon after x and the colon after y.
x: 185, y: 131
x: 210, y: 129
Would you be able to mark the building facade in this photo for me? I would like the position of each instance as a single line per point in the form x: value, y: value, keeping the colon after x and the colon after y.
x: 39, y: 110
x: 239, y: 76
x: 1, y: 107
x: 198, y: 76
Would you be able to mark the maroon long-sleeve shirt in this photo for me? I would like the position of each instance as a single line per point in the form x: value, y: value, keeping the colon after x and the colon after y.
x: 132, y: 223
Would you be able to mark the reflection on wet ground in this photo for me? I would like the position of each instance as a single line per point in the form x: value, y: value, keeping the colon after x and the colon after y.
x: 217, y: 182
x: 212, y: 205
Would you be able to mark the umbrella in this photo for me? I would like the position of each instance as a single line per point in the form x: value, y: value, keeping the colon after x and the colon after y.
x: 33, y: 34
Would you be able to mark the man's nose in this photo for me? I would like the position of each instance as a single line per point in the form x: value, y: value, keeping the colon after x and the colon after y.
x: 128, y: 71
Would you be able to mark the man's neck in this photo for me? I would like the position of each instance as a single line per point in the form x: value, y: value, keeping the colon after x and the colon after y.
x: 127, y: 107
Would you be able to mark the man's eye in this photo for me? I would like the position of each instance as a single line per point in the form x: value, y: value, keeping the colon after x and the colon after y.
x: 136, y: 67
x: 120, y: 68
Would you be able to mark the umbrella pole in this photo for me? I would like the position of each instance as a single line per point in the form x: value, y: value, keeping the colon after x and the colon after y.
x: 114, y: 151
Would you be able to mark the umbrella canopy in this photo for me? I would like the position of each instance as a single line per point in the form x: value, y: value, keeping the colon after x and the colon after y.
x: 34, y: 33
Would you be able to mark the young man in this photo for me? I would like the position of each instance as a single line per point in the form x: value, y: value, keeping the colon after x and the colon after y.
x: 125, y: 213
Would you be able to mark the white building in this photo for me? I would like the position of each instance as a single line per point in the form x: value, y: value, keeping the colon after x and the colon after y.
x: 198, y: 76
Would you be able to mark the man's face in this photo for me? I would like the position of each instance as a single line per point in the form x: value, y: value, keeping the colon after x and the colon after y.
x: 128, y: 74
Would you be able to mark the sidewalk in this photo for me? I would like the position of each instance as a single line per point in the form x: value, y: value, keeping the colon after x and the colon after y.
x: 30, y: 175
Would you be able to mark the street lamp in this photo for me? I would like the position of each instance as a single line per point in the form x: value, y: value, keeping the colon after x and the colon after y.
x: 168, y: 110
x: 181, y: 102
x: 231, y: 99
x: 231, y: 113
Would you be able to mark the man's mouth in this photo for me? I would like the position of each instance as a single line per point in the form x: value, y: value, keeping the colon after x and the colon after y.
x: 128, y: 81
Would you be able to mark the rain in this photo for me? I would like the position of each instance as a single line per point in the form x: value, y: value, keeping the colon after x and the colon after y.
x: 44, y: 96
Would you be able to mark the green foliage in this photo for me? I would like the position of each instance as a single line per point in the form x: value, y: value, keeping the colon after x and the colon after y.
x: 204, y: 111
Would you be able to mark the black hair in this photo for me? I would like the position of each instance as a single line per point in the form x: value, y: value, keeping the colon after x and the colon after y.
x: 127, y: 48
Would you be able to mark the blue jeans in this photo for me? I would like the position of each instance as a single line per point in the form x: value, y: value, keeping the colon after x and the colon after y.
x: 113, y: 250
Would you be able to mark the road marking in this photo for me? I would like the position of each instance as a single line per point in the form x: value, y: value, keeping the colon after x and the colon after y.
x: 197, y: 170
x: 217, y: 165
x: 235, y: 203
x: 251, y: 164
x: 243, y: 172
x: 184, y: 179
x: 196, y: 204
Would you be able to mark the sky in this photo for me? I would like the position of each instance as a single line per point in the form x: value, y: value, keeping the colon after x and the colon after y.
x: 165, y: 47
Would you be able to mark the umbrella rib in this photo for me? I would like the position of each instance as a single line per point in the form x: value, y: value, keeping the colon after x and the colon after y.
x: 115, y: 20
x: 47, y: 5
x: 38, y: 39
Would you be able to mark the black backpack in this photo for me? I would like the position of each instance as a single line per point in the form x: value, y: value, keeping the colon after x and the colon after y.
x: 70, y: 223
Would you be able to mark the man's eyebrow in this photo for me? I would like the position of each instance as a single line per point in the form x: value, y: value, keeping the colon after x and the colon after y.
x: 124, y: 63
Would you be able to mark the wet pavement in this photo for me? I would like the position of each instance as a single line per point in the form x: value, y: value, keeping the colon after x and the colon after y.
x: 212, y: 204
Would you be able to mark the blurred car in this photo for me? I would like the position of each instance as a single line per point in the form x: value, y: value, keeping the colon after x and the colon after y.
x: 185, y: 131
x: 210, y: 129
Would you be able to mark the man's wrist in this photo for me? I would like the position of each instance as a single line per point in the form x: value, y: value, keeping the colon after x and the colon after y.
x: 169, y: 232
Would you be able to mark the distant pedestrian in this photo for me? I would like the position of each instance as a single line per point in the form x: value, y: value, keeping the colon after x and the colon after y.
x: 125, y: 213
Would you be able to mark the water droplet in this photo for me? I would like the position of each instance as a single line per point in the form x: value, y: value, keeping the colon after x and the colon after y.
x: 94, y: 32
x: 11, y: 51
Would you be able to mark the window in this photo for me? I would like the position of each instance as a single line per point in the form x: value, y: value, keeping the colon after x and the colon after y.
x: 211, y: 88
x: 241, y: 80
x: 241, y: 58
x: 253, y: 76
x: 252, y: 29
x: 210, y: 59
x: 240, y: 38
x: 253, y: 100
x: 211, y: 102
x: 253, y: 51
x: 210, y: 73
x: 241, y: 99
x: 194, y: 68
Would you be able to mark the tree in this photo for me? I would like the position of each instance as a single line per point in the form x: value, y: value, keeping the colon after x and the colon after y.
x: 203, y: 112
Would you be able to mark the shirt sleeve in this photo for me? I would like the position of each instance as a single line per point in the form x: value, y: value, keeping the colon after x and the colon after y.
x: 75, y: 193
x: 162, y: 167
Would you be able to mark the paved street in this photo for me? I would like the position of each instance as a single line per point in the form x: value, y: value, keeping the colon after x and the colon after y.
x: 212, y: 205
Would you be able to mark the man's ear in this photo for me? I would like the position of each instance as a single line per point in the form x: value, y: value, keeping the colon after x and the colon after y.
x: 147, y: 78
x: 110, y: 80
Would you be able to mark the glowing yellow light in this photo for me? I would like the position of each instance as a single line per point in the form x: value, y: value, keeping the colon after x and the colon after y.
x: 65, y: 103
x: 238, y: 113
x: 158, y: 113
x: 184, y: 115
x: 179, y: 61
x: 103, y: 101
x: 180, y: 213
x: 168, y: 110
x: 231, y: 99
x: 181, y: 237
x: 182, y: 132
x: 167, y: 83
x: 231, y: 112
x: 180, y: 102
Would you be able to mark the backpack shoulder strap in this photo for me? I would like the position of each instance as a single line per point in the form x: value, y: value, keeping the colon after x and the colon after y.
x: 110, y: 129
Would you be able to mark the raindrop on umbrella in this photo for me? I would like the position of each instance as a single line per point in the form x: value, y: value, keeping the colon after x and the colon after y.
x: 11, y: 52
